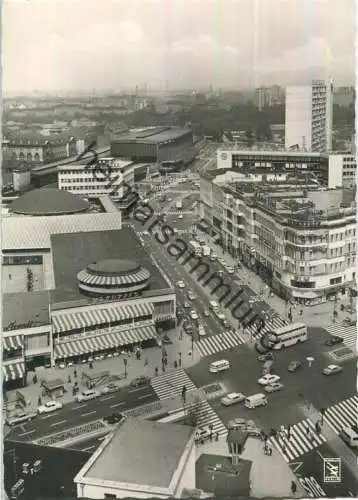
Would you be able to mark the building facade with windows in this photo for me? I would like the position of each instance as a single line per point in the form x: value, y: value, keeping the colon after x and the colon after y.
x: 308, y: 116
x: 342, y: 170
x: 106, y: 177
x: 301, y: 240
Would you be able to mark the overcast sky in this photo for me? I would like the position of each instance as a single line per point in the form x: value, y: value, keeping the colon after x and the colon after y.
x: 93, y: 44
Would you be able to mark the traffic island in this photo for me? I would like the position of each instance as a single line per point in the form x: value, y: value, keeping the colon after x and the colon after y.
x: 213, y: 391
x: 68, y: 437
x: 342, y: 354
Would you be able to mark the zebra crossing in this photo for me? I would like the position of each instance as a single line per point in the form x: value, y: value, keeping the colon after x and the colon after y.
x: 207, y: 416
x: 270, y: 324
x: 311, y: 487
x: 217, y: 343
x: 171, y: 384
x: 347, y: 333
x: 343, y: 414
x: 301, y: 441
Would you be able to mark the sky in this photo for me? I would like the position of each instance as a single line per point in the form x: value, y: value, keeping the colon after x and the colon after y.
x: 175, y: 44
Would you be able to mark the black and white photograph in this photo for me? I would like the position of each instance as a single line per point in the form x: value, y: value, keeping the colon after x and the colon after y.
x: 178, y: 236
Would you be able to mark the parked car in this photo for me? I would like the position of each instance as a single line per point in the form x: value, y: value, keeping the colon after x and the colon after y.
x: 191, y: 295
x: 49, y: 407
x: 20, y: 417
x: 276, y: 386
x: 114, y: 418
x: 266, y: 357
x: 187, y: 305
x: 332, y: 370
x: 194, y: 315
x: 294, y: 365
x: 201, y: 331
x: 109, y: 388
x: 202, y: 434
x: 206, y: 313
x: 139, y: 381
x: 232, y: 398
x: 230, y: 270
x: 268, y: 379
x: 334, y: 340
x: 180, y: 284
x: 87, y: 395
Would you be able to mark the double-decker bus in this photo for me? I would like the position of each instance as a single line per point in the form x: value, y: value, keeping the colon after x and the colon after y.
x: 286, y: 336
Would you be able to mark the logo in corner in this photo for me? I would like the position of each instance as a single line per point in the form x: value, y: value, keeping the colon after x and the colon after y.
x: 332, y: 470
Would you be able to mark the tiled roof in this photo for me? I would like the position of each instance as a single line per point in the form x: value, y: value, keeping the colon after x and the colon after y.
x: 26, y: 233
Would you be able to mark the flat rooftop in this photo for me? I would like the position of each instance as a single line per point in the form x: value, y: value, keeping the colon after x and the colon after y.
x: 141, y: 452
x: 153, y: 135
x: 73, y: 252
x: 30, y: 309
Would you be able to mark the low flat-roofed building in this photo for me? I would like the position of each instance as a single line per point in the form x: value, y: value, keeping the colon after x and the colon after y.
x: 141, y: 459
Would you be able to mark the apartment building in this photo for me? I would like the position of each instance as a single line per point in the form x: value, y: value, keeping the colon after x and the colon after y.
x: 308, y: 116
x: 107, y: 177
x: 300, y: 238
x: 342, y: 169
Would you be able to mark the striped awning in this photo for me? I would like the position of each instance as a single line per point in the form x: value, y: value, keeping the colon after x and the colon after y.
x: 13, y: 371
x: 13, y: 343
x: 105, y: 341
x: 95, y: 317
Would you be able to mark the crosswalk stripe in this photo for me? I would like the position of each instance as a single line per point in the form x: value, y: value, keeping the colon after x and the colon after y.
x: 344, y: 413
x: 206, y: 416
x: 171, y: 384
x: 347, y: 333
x: 312, y: 487
x: 299, y: 442
x: 218, y: 343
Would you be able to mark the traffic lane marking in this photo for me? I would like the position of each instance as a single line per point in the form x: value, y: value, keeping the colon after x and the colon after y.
x: 138, y: 389
x: 117, y: 404
x: 108, y: 397
x: 88, y: 413
x: 45, y: 417
x: 145, y: 396
x: 78, y: 407
x: 27, y: 432
x: 58, y: 423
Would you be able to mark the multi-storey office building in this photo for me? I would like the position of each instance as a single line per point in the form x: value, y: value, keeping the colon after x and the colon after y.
x: 276, y: 160
x: 308, y: 116
x: 301, y: 239
x: 342, y: 169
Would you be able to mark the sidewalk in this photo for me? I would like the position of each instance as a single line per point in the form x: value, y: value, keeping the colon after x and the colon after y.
x: 320, y: 315
x: 135, y: 368
x: 270, y: 476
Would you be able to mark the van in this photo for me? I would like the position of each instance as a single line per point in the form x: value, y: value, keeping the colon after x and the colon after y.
x: 218, y: 366
x: 350, y: 436
x: 256, y: 400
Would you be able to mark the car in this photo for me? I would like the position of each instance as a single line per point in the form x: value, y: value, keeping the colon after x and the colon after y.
x: 230, y: 270
x: 20, y: 417
x: 268, y: 379
x: 87, y: 395
x: 242, y: 424
x: 213, y: 257
x: 334, y: 340
x: 265, y: 357
x: 114, y: 418
x: 206, y: 313
x: 349, y: 322
x: 294, y: 365
x: 140, y: 381
x: 109, y: 388
x: 237, y: 423
x: 191, y: 295
x: 276, y: 386
x: 194, y: 315
x: 332, y: 370
x: 180, y: 216
x: 180, y: 284
x: 201, y: 331
x: 189, y: 328
x: 187, y: 305
x: 49, y: 407
x: 232, y: 398
x: 202, y: 434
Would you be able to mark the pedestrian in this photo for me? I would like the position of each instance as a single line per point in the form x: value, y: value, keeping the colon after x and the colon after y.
x: 69, y: 379
x: 293, y: 487
x: 307, y: 430
x: 175, y: 364
x: 283, y: 448
x: 39, y: 401
x: 165, y: 361
x: 34, y: 379
x: 75, y: 373
x: 301, y: 312
x: 163, y: 368
x: 179, y: 361
x: 156, y: 371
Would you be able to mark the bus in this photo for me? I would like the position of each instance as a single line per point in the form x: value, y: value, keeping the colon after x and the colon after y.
x: 286, y: 336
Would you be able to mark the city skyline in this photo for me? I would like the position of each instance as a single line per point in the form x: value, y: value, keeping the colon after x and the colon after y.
x: 72, y: 44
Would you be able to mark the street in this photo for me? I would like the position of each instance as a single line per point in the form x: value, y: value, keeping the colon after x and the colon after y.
x: 78, y: 413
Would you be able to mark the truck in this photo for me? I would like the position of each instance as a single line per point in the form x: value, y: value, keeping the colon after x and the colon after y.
x: 179, y: 204
x: 206, y: 251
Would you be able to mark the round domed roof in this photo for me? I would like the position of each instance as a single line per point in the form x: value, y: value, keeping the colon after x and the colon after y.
x: 49, y: 201
x: 113, y: 267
